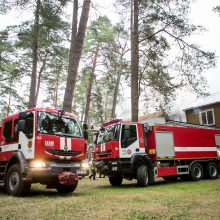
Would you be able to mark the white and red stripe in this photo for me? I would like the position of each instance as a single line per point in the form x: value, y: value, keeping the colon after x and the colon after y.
x: 65, y: 143
x: 195, y: 149
x: 103, y: 147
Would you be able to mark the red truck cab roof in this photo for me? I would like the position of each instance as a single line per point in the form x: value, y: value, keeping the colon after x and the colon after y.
x: 118, y: 121
x: 55, y: 111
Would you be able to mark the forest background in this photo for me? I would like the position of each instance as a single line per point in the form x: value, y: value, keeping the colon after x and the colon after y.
x: 137, y: 56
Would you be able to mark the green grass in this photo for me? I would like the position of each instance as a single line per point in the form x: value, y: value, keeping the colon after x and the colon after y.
x: 98, y: 200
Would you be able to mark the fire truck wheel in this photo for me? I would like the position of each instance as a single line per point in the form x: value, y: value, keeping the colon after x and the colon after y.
x: 116, y: 180
x: 196, y: 171
x: 212, y: 170
x: 65, y: 189
x: 14, y: 184
x: 142, y: 176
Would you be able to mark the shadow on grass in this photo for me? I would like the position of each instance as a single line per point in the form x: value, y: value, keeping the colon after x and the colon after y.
x: 134, y: 185
x: 45, y: 192
x: 54, y: 193
x: 2, y: 191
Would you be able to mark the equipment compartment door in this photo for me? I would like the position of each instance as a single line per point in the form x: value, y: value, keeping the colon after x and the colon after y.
x: 217, y: 140
x: 164, y: 145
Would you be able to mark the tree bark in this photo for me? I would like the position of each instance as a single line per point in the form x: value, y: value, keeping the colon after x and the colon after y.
x: 32, y: 96
x: 106, y: 105
x: 9, y: 97
x: 119, y: 74
x: 40, y: 75
x: 56, y: 89
x: 115, y: 96
x: 75, y: 55
x: 83, y: 107
x: 134, y: 59
x: 91, y: 80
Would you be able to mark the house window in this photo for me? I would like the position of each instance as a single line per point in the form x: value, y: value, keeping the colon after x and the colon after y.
x: 207, y: 117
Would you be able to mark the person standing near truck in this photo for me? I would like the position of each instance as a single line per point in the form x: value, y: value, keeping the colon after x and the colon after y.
x: 92, y: 170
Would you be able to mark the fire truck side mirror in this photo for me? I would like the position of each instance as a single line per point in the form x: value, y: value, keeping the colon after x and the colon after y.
x: 96, y: 134
x: 85, y: 131
x: 21, y: 125
x: 85, y: 127
x: 22, y: 115
x: 85, y: 134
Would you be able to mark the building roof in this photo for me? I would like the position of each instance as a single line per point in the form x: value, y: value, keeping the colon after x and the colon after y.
x: 148, y: 116
x: 205, y: 101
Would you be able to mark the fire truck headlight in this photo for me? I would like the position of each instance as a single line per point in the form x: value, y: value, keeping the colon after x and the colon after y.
x: 37, y: 164
x: 85, y: 165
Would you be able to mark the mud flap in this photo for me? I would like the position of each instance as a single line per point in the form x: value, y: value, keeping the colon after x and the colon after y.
x: 68, y: 178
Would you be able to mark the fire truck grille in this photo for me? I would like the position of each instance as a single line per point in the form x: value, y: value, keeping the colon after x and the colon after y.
x: 64, y: 153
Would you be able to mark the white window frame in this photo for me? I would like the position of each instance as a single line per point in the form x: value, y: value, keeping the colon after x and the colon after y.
x: 205, y: 111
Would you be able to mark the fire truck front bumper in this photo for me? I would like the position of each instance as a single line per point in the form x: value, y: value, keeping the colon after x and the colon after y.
x: 111, y: 166
x: 38, y: 170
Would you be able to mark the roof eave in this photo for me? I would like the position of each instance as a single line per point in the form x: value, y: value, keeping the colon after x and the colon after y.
x: 200, y: 106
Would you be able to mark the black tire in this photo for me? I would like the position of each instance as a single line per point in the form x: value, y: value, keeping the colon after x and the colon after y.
x: 14, y: 185
x: 65, y: 189
x: 212, y: 170
x: 196, y: 172
x: 116, y: 180
x: 170, y: 178
x: 142, y: 176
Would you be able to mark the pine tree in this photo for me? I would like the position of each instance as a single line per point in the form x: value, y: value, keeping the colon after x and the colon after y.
x: 77, y: 40
x: 156, y: 27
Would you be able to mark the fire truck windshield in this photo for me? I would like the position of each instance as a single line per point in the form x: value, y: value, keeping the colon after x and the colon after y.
x: 108, y: 134
x: 50, y: 123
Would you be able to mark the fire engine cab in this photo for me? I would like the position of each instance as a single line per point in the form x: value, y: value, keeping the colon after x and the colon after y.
x: 133, y: 150
x: 44, y: 146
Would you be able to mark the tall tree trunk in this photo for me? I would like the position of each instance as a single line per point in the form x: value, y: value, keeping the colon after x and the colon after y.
x: 9, y: 97
x: 83, y: 108
x: 74, y: 26
x: 73, y: 34
x: 32, y: 95
x: 40, y: 75
x: 75, y: 55
x: 56, y: 89
x: 115, y: 96
x: 91, y: 80
x: 106, y: 106
x: 134, y: 59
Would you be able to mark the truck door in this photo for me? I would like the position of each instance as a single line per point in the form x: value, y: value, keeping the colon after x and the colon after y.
x: 9, y: 138
x: 129, y: 140
x: 27, y: 136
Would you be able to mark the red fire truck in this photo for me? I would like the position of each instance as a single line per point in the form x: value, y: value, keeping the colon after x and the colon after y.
x: 44, y: 146
x: 133, y: 150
